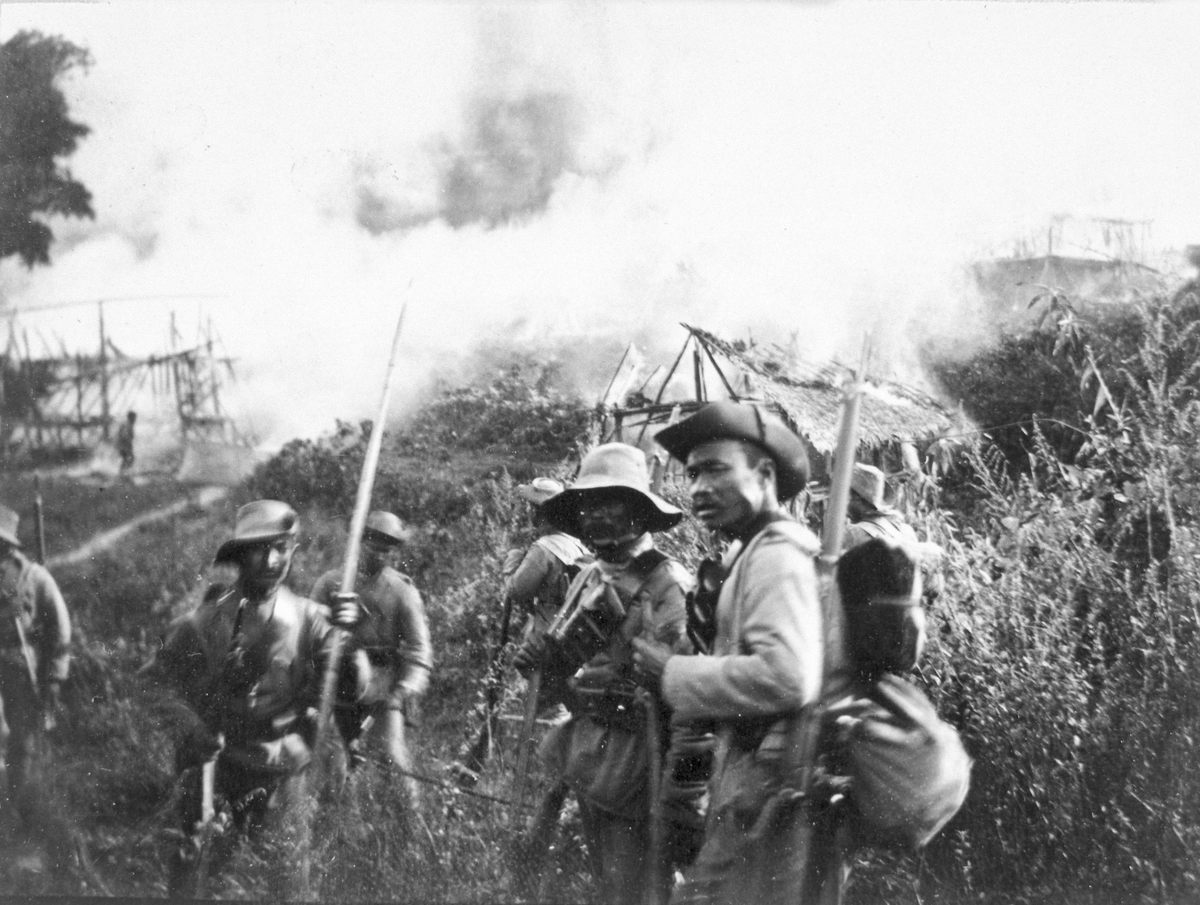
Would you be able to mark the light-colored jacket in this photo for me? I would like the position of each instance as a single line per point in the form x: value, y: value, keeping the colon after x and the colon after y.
x: 393, y: 631
x: 30, y: 595
x: 767, y: 662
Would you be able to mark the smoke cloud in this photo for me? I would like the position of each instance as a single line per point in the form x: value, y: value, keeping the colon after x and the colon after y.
x: 573, y: 176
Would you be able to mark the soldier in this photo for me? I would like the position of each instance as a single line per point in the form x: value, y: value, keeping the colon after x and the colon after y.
x: 769, y: 649
x: 392, y: 634
x: 536, y: 579
x: 125, y: 441
x: 870, y: 516
x: 245, y: 669
x: 35, y: 631
x: 535, y: 585
x: 603, y: 751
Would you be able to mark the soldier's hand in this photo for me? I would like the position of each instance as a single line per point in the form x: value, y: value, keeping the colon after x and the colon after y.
x: 649, y: 660
x: 347, y: 611
x: 51, y: 705
x: 529, y: 656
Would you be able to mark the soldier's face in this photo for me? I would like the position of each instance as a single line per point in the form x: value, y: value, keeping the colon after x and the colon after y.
x: 608, y: 522
x: 265, y: 565
x: 375, y: 556
x: 727, y: 492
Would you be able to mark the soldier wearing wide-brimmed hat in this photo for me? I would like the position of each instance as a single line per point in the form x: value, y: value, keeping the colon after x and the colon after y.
x: 386, y: 620
x: 35, y: 631
x: 870, y: 515
x: 245, y: 669
x: 632, y: 590
x: 768, y: 652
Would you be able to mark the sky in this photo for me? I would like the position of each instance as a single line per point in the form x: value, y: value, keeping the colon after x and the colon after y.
x: 574, y: 175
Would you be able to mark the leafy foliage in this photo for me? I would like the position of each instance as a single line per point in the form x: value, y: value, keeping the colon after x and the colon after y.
x: 35, y: 131
x: 520, y: 411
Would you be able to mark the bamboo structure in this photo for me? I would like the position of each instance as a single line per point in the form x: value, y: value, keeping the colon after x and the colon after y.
x: 63, y: 403
x: 807, y: 397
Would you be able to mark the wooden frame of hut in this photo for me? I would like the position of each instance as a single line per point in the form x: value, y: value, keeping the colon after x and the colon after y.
x: 896, y: 421
x: 65, y: 403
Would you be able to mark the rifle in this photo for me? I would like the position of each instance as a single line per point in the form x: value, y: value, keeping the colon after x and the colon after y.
x: 793, y: 873
x: 654, y: 858
x: 209, y: 826
x: 39, y: 518
x: 526, y: 746
x: 48, y: 721
x: 479, y: 752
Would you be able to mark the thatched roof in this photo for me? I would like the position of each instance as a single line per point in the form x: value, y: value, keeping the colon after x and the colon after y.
x: 809, y: 396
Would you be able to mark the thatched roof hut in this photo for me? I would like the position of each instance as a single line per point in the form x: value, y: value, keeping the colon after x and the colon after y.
x: 808, y: 397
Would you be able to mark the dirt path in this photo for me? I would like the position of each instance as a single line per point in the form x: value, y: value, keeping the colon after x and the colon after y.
x: 205, y: 496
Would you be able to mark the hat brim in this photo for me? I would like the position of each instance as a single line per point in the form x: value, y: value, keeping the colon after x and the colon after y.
x: 388, y: 540
x: 531, y: 494
x: 10, y: 539
x: 562, y: 509
x: 719, y: 422
x: 228, y: 551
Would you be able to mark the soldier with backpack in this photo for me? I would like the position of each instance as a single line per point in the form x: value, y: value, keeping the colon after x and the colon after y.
x: 535, y: 584
x: 769, y: 643
x: 804, y: 714
x: 606, y: 751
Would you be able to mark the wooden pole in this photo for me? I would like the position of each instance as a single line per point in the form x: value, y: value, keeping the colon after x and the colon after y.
x: 358, y: 520
x: 105, y: 414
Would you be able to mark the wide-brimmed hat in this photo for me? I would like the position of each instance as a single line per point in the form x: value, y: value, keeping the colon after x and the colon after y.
x: 869, y: 483
x: 539, y: 490
x: 262, y: 520
x: 728, y: 420
x: 611, y: 469
x: 9, y: 521
x: 387, y: 527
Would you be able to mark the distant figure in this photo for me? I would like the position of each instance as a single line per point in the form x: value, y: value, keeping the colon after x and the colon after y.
x: 125, y: 441
x: 869, y: 514
x: 35, y: 631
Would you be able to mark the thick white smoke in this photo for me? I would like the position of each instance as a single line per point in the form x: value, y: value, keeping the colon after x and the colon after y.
x: 588, y: 170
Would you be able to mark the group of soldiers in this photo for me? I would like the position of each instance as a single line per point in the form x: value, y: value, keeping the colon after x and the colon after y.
x: 669, y: 698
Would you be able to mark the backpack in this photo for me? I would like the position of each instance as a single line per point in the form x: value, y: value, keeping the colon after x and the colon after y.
x: 908, y: 769
x: 879, y: 582
x: 909, y: 773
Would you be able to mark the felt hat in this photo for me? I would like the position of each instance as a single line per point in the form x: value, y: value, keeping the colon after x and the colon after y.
x: 8, y: 526
x: 611, y: 469
x: 539, y: 490
x: 728, y: 420
x: 387, y: 527
x: 869, y: 483
x: 262, y: 520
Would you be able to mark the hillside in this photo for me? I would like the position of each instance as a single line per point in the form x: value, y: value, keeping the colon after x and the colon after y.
x: 1062, y: 648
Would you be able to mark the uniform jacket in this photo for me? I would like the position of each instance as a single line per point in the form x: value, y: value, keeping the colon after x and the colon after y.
x: 766, y: 664
x: 257, y: 689
x: 605, y: 763
x: 393, y: 632
x: 29, y: 594
x: 537, y: 586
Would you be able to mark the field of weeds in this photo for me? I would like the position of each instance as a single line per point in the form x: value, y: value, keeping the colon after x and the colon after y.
x: 1064, y: 648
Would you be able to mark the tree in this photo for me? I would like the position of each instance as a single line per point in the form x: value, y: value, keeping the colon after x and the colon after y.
x: 35, y: 131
